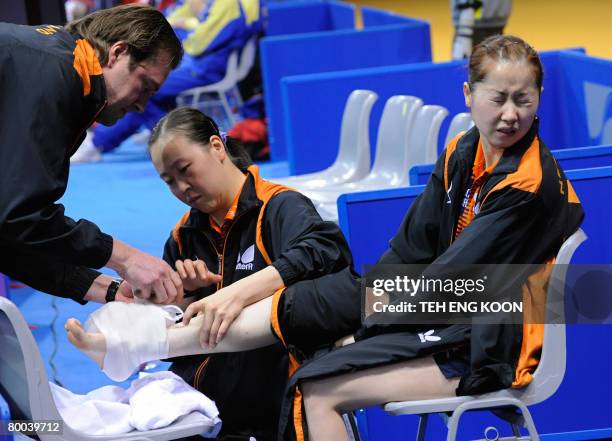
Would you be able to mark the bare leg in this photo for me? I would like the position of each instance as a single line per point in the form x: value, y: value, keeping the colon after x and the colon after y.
x: 250, y: 330
x: 327, y: 399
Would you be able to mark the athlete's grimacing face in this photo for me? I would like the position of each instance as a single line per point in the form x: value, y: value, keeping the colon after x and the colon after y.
x: 504, y: 103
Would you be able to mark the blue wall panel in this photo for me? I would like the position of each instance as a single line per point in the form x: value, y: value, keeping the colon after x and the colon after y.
x: 332, y: 51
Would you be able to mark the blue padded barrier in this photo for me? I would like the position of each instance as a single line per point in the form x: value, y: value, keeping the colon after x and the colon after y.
x: 586, y: 88
x: 313, y: 104
x: 332, y: 51
x: 569, y: 159
x: 370, y: 219
x: 304, y: 16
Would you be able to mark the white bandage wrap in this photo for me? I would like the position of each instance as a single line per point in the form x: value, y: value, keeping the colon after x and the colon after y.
x: 134, y: 333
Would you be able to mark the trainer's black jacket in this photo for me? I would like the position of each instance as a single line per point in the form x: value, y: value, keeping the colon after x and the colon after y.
x: 274, y: 226
x: 51, y: 90
x: 527, y: 209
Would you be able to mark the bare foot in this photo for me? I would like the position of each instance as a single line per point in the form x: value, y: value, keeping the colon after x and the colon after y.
x: 92, y: 344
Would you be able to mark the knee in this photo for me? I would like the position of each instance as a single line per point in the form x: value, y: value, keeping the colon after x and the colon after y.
x: 316, y: 397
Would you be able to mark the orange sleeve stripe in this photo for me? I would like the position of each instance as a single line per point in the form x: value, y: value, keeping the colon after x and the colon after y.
x: 297, y: 415
x: 274, y: 315
x: 175, y: 231
x: 265, y: 191
x: 572, y: 197
x: 450, y: 149
x: 86, y: 63
x: 534, y: 299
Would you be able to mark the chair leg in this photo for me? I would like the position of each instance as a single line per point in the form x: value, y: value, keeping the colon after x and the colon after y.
x: 237, y: 96
x: 529, y: 424
x: 422, y: 427
x: 228, y: 110
x: 453, y: 424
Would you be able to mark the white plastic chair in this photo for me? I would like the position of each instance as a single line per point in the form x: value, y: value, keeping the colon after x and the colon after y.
x: 353, y: 160
x: 396, y: 151
x: 245, y: 63
x: 192, y: 97
x: 461, y: 122
x: 546, y: 379
x: 24, y: 384
x: 394, y: 129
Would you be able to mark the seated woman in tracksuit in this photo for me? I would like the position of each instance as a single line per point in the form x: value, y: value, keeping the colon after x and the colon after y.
x: 243, y: 239
x: 496, y: 196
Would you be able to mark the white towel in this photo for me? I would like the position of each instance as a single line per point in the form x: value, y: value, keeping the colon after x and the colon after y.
x: 151, y: 402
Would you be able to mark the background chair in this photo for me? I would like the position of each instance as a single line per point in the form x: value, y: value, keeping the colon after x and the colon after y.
x: 546, y: 378
x: 25, y: 386
x: 461, y: 122
x: 407, y: 135
x: 394, y: 131
x: 194, y: 97
x: 245, y: 64
x: 353, y: 160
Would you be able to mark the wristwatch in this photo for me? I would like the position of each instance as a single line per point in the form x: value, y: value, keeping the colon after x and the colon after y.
x: 111, y: 291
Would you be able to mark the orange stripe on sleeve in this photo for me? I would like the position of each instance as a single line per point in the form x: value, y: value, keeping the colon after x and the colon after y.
x: 175, y: 231
x: 572, y: 197
x: 450, y: 149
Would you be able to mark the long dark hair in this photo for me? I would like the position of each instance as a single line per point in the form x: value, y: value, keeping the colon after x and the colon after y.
x: 198, y: 128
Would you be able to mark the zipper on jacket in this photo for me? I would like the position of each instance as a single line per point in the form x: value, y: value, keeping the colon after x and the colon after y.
x: 198, y: 374
x: 220, y: 257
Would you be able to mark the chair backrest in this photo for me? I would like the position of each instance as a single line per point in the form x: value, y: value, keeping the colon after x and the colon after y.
x: 354, y: 150
x: 247, y: 59
x: 231, y: 73
x: 423, y: 141
x: 23, y: 379
x: 191, y: 97
x: 396, y: 124
x: 551, y: 369
x: 461, y: 122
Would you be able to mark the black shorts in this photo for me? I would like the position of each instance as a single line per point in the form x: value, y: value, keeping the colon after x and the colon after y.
x: 313, y: 314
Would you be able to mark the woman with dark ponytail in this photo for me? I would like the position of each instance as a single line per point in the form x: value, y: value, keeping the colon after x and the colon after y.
x: 243, y: 251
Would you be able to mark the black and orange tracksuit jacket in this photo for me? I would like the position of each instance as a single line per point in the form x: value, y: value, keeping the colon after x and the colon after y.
x: 272, y: 226
x: 51, y: 90
x: 527, y: 208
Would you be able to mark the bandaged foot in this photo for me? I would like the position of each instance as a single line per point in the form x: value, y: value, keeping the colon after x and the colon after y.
x: 119, y: 337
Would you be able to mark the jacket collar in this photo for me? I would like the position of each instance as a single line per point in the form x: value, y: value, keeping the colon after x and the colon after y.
x: 509, y: 162
x: 88, y: 67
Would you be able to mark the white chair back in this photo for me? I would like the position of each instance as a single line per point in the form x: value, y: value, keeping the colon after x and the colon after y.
x: 461, y: 122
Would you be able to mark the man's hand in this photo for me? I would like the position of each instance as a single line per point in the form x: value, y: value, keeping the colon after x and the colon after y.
x: 219, y: 310
x: 124, y: 293
x: 150, y: 277
x: 195, y: 274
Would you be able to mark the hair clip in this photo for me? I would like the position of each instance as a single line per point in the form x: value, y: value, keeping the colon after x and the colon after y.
x: 223, y: 136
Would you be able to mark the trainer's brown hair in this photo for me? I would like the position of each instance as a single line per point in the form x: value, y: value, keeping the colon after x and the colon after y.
x: 503, y: 48
x: 144, y: 29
